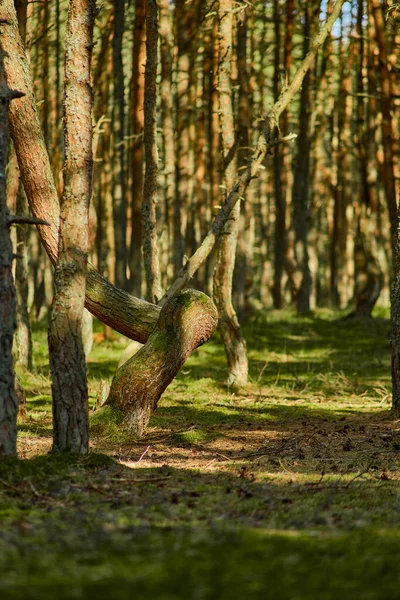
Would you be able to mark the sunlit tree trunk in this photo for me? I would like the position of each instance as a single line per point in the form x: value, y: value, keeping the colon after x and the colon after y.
x: 150, y: 241
x: 119, y: 175
x: 67, y: 358
x: 184, y: 32
x: 243, y: 287
x: 23, y: 338
x: 235, y: 345
x: 168, y: 130
x: 136, y: 147
x: 300, y: 183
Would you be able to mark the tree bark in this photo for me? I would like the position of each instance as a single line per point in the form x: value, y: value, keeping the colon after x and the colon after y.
x: 8, y: 397
x: 234, y: 344
x: 136, y: 153
x: 23, y: 337
x: 186, y: 321
x: 67, y: 358
x: 387, y: 124
x: 167, y: 118
x: 280, y: 198
x: 149, y: 227
x: 118, y: 129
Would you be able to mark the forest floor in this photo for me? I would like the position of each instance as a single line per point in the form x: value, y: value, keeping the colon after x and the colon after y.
x: 288, y: 489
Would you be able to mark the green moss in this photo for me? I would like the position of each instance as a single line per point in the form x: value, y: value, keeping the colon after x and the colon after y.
x: 287, y: 490
x: 106, y: 421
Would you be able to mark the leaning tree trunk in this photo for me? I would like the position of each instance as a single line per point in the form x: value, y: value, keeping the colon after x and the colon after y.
x: 186, y: 321
x: 67, y: 357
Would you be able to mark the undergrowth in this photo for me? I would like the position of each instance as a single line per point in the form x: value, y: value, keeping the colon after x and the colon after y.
x: 288, y: 488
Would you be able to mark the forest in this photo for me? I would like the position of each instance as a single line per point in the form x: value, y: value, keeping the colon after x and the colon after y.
x: 199, y: 299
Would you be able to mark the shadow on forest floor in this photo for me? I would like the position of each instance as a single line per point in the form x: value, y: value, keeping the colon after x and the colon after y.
x: 298, y: 474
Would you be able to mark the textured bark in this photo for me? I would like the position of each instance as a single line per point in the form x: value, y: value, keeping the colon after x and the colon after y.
x: 184, y: 172
x: 280, y: 198
x: 301, y: 178
x: 8, y: 397
x: 387, y: 122
x: 243, y: 278
x: 136, y: 155
x: 186, y: 321
x: 23, y: 335
x: 214, y: 165
x: 167, y: 117
x: 67, y: 358
x: 128, y: 315
x: 150, y: 242
x: 234, y: 344
x: 119, y: 176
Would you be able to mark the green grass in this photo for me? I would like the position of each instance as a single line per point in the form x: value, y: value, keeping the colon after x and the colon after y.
x: 287, y: 489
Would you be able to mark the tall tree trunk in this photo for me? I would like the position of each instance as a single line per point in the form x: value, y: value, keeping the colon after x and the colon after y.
x: 119, y: 184
x: 8, y: 397
x: 280, y: 198
x: 300, y: 184
x: 136, y: 153
x: 23, y: 335
x: 150, y: 242
x: 67, y: 358
x: 387, y: 124
x: 235, y: 345
x: 243, y: 287
x: 167, y: 117
x: 185, y: 31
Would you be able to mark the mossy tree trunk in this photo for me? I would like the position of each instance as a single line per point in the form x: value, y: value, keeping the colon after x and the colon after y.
x: 186, y: 321
x: 67, y: 357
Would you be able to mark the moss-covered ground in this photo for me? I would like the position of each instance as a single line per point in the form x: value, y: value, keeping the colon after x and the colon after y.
x: 288, y: 489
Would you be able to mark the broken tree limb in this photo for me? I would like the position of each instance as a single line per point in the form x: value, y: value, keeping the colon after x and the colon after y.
x: 25, y: 219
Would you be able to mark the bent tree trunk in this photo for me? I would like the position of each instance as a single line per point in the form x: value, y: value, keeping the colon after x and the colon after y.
x: 186, y: 321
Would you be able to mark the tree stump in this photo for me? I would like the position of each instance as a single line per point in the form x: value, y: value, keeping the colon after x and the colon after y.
x: 186, y: 321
